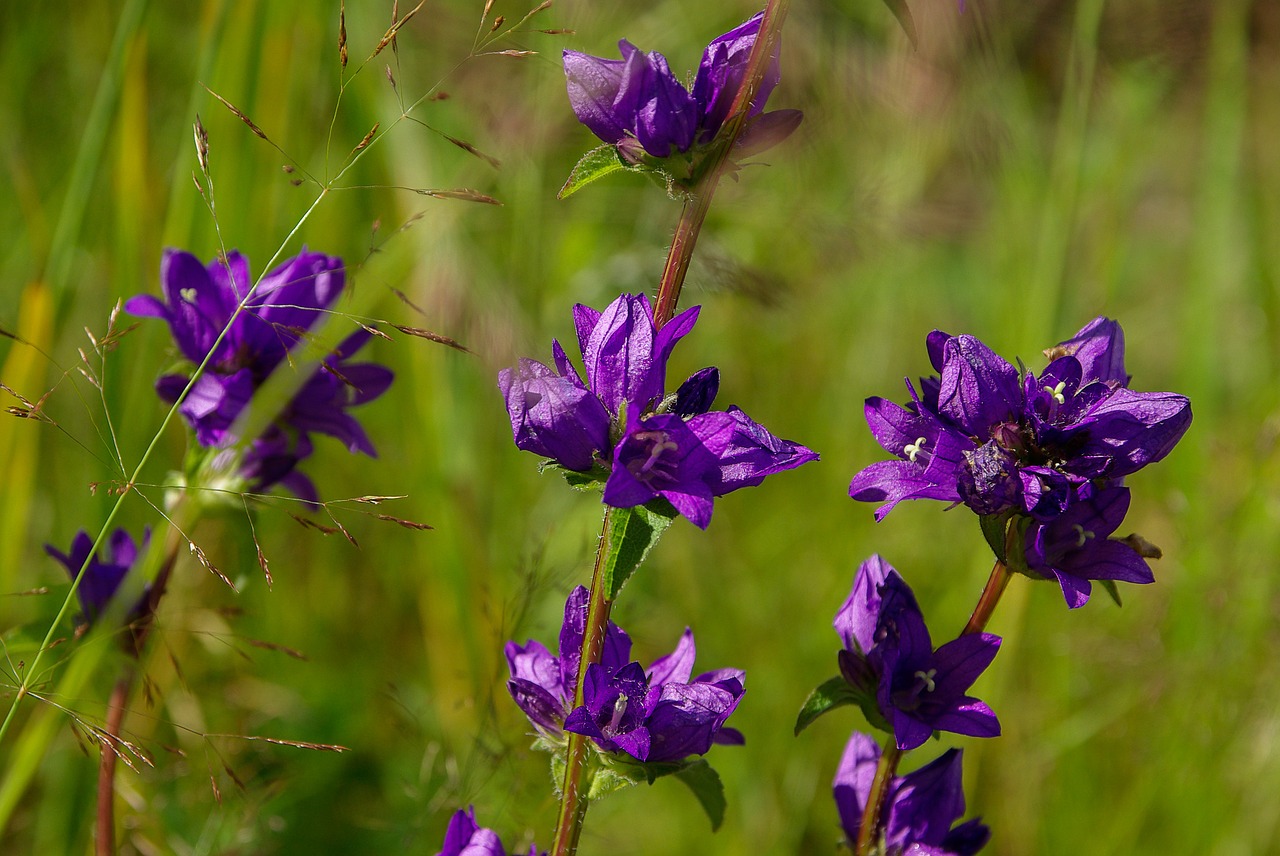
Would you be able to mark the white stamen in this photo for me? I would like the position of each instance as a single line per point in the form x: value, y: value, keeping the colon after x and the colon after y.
x: 1082, y: 535
x: 188, y: 294
x: 913, y: 449
x: 619, y: 708
x: 1057, y: 391
x: 927, y: 677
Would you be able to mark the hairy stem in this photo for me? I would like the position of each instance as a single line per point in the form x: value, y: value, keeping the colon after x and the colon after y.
x: 573, y: 804
x: 872, y: 812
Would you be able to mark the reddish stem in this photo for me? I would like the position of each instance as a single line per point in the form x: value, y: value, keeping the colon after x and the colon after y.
x: 106, y: 838
x: 996, y: 584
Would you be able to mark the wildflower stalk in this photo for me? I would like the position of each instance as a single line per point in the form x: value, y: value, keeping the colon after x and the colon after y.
x: 106, y: 830
x: 996, y: 584
x: 886, y: 767
x: 699, y: 201
x: 573, y: 804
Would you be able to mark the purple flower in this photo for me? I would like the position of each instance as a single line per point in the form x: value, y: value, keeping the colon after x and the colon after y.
x: 980, y: 434
x: 888, y: 651
x: 637, y: 103
x: 200, y: 302
x: 919, y: 808
x: 465, y: 837
x: 654, y: 714
x: 105, y: 571
x: 543, y: 685
x: 620, y: 419
x: 1076, y: 546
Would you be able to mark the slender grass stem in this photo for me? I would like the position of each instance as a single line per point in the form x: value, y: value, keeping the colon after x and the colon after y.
x: 872, y: 812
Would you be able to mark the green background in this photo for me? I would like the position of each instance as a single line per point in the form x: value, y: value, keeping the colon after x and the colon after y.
x: 1026, y: 167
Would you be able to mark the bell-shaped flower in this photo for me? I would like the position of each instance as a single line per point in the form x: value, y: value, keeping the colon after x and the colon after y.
x: 658, y: 714
x: 105, y: 570
x: 201, y: 303
x: 620, y: 418
x: 542, y: 684
x: 1077, y: 546
x: 919, y: 808
x: 982, y: 435
x: 888, y: 650
x: 637, y: 103
x: 465, y: 837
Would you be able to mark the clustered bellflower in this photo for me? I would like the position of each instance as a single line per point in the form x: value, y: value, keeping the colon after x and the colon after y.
x: 1053, y: 448
x: 919, y: 808
x: 654, y: 714
x: 888, y: 653
x: 653, y: 445
x: 105, y: 571
x: 637, y: 104
x: 199, y: 303
x: 465, y: 837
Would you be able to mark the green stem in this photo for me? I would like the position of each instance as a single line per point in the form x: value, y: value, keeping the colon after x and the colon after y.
x: 573, y: 804
x: 873, y: 811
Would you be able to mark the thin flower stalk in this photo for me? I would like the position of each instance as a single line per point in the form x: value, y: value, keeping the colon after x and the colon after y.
x: 573, y: 806
x: 886, y: 769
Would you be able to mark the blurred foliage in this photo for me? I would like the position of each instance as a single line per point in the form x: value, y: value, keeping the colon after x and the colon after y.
x: 1026, y: 167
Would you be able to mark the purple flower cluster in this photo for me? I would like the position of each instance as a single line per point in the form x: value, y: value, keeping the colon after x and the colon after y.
x: 201, y: 302
x: 637, y: 104
x: 919, y: 808
x: 653, y: 444
x: 653, y: 714
x: 105, y: 571
x: 1053, y: 448
x: 888, y: 653
x: 465, y: 837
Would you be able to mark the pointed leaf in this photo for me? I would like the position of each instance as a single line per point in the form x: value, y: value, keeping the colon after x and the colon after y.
x: 993, y: 529
x: 830, y: 695
x: 596, y: 163
x: 707, y: 787
x: 632, y: 533
x: 1112, y: 589
x: 903, y: 14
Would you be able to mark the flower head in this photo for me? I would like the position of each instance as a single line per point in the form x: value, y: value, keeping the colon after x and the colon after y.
x: 888, y: 652
x: 620, y: 419
x: 654, y: 714
x: 201, y: 302
x: 982, y: 435
x: 919, y: 808
x: 637, y: 104
x: 465, y: 837
x: 105, y: 570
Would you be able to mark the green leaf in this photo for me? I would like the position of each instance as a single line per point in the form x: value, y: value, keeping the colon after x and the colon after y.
x: 706, y: 786
x: 632, y: 533
x: 591, y: 480
x: 830, y: 695
x: 903, y: 14
x: 596, y: 163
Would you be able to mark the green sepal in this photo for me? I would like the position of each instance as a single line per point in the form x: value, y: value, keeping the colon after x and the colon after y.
x: 831, y: 694
x: 597, y: 163
x: 632, y: 534
x: 589, y: 480
x: 613, y: 777
x: 994, y: 527
x: 1112, y: 589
